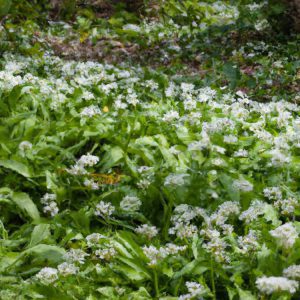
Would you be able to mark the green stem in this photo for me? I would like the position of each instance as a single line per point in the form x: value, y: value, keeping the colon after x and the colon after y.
x: 155, y: 278
x: 212, y: 279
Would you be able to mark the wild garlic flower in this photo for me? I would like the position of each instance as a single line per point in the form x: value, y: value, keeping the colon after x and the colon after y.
x: 93, y: 239
x: 183, y: 231
x: 270, y: 285
x: 77, y: 170
x: 50, y: 205
x: 104, y: 209
x: 25, y: 145
x: 47, y: 275
x: 243, y: 185
x: 155, y: 255
x: 152, y: 253
x: 91, y: 184
x: 230, y: 139
x: 146, y: 230
x: 88, y: 160
x: 248, y: 243
x: 241, y: 153
x: 75, y: 256
x: 224, y: 211
x: 86, y: 95
x: 195, y: 289
x: 273, y: 193
x: 90, y: 111
x: 256, y: 209
x: 106, y: 253
x: 170, y: 116
x: 66, y: 269
x: 175, y: 179
x: 215, y: 245
x: 287, y: 206
x: 285, y: 235
x: 130, y: 203
x: 143, y: 184
x: 292, y: 272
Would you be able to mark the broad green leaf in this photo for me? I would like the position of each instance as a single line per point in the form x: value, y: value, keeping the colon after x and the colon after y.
x: 16, y: 166
x: 112, y: 157
x: 140, y: 271
x: 270, y: 214
x: 107, y: 291
x: 23, y: 201
x: 246, y: 295
x: 227, y: 182
x: 4, y: 7
x: 43, y: 252
x: 39, y: 233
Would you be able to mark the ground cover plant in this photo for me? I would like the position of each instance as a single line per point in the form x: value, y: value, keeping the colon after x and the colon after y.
x: 149, y: 151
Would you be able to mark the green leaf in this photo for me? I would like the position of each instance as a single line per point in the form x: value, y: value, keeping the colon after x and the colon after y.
x: 4, y: 7
x: 227, y: 182
x: 245, y: 295
x: 112, y: 157
x: 194, y: 267
x: 16, y: 166
x: 270, y: 214
x: 232, y: 74
x: 23, y: 201
x: 39, y: 233
x: 107, y: 291
x: 43, y: 252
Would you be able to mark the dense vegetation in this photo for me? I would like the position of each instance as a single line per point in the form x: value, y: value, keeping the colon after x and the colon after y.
x: 149, y: 150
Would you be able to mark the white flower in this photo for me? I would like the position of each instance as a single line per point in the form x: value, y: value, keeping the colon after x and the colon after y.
x: 132, y: 27
x: 86, y: 95
x: 292, y: 272
x: 48, y: 198
x: 175, y: 179
x: 279, y: 158
x: 261, y: 25
x: 104, y: 209
x: 130, y: 203
x: 152, y: 254
x: 230, y: 139
x: 286, y: 235
x: 195, y: 289
x: 75, y: 255
x: 147, y: 230
x: 273, y: 193
x: 91, y: 184
x: 248, y: 243
x: 90, y: 111
x: 256, y: 209
x: 25, y: 145
x: 269, y: 285
x: 47, y: 275
x: 287, y: 206
x: 94, y: 238
x: 77, y: 170
x: 143, y: 184
x: 66, y: 269
x: 106, y: 253
x: 243, y: 185
x: 88, y: 160
x: 224, y: 211
x: 170, y: 116
x: 240, y: 153
x: 50, y: 206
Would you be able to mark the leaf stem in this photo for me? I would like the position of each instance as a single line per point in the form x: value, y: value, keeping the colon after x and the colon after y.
x: 212, y: 279
x: 155, y: 279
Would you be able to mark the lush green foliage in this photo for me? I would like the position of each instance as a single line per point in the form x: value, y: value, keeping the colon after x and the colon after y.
x: 169, y: 170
